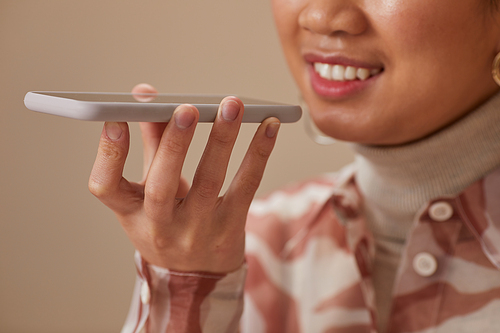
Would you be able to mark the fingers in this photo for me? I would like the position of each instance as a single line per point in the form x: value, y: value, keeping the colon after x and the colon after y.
x: 144, y: 92
x: 106, y: 181
x: 144, y: 88
x: 151, y: 136
x: 164, y: 176
x: 247, y: 180
x: 151, y: 132
x: 209, y: 177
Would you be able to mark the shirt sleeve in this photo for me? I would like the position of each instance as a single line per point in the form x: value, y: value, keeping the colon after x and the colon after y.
x: 170, y: 301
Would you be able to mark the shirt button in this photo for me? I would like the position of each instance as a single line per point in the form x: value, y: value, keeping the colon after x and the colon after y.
x: 425, y: 264
x: 440, y: 211
x: 145, y: 293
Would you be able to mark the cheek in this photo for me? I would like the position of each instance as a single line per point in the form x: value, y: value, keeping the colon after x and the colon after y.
x: 401, y: 28
x: 419, y: 45
x: 428, y: 31
x: 286, y: 16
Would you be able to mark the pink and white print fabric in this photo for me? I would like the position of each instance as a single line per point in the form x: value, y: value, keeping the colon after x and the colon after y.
x: 308, y: 269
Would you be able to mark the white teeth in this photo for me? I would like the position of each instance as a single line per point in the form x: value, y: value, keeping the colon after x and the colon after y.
x: 318, y: 66
x: 342, y: 73
x: 350, y: 73
x: 362, y: 73
x: 338, y: 72
x: 324, y: 70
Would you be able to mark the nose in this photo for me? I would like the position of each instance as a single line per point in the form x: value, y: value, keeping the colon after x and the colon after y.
x: 333, y: 17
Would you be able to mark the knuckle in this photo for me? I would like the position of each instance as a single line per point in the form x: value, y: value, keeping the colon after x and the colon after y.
x: 221, y: 139
x: 160, y: 242
x: 156, y: 238
x: 155, y: 215
x: 207, y: 189
x: 262, y: 153
x: 163, y: 242
x: 97, y: 188
x: 187, y: 245
x: 249, y: 185
x: 174, y: 147
x: 154, y: 195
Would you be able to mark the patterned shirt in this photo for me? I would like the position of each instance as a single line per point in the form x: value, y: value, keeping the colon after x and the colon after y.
x: 308, y: 269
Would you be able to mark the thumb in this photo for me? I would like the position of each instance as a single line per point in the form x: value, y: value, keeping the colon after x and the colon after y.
x: 106, y: 181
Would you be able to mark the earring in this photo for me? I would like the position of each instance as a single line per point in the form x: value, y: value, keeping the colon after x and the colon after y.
x: 311, y: 130
x: 496, y: 69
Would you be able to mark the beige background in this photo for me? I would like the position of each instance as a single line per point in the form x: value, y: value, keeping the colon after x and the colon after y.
x: 65, y: 264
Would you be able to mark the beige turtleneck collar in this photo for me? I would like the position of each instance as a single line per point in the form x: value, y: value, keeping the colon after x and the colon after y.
x: 397, y: 181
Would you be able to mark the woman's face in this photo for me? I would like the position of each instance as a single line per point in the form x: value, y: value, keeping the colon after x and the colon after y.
x: 389, y: 71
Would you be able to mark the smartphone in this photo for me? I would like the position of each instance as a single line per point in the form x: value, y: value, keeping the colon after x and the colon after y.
x: 128, y: 107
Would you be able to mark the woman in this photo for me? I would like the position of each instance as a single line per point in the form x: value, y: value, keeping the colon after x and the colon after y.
x: 407, y: 239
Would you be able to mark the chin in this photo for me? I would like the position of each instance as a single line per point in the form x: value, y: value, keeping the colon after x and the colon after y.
x: 352, y: 129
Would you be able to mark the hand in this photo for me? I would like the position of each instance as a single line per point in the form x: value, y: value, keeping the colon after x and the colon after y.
x: 170, y: 224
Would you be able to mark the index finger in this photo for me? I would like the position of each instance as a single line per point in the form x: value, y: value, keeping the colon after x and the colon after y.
x: 164, y: 178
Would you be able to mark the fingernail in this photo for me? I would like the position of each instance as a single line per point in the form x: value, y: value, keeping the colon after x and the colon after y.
x: 272, y: 129
x: 184, y: 118
x: 230, y: 110
x: 113, y: 130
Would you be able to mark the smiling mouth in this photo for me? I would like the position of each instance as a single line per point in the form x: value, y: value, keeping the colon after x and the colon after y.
x: 344, y: 73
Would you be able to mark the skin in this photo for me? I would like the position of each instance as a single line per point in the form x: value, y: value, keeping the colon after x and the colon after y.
x: 436, y: 58
x: 172, y: 224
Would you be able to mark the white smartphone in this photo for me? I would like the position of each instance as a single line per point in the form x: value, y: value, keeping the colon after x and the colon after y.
x: 127, y: 107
